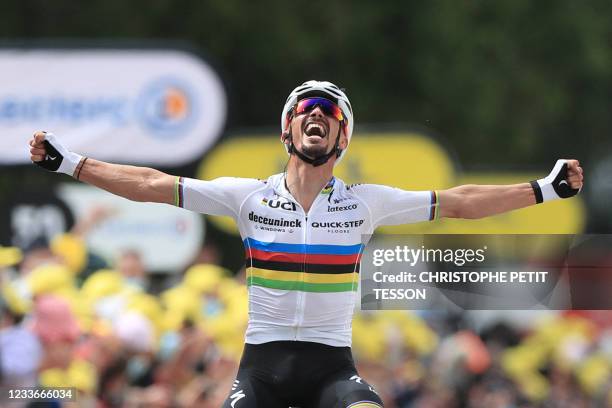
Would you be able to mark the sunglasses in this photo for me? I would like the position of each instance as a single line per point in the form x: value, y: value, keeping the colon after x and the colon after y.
x: 327, y: 107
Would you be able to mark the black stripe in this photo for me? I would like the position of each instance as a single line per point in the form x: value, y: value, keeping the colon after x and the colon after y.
x: 181, y: 193
x: 301, y: 267
x: 537, y: 191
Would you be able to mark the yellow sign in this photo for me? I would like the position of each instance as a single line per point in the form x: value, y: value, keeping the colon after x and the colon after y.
x: 409, y: 161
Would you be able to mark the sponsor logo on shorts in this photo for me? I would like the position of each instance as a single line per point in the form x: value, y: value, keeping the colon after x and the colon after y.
x: 236, y: 396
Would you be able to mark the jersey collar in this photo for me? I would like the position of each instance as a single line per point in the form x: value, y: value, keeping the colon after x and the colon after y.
x: 280, y: 186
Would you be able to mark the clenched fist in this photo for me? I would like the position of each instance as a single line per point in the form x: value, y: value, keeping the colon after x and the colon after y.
x: 47, y: 152
x: 564, y: 181
x: 574, y: 174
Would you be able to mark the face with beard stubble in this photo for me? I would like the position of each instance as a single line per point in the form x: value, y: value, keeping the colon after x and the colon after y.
x: 314, y: 133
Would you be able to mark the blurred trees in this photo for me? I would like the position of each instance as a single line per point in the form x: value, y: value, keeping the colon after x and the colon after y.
x: 505, y: 82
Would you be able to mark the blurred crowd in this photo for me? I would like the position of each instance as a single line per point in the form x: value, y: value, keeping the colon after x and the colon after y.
x: 71, y: 319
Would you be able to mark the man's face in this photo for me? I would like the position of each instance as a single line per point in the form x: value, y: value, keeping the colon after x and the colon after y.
x: 314, y: 133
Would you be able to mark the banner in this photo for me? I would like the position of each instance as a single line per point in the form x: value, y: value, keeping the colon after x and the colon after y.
x: 155, y: 107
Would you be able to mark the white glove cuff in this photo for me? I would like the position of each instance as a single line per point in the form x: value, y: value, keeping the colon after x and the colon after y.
x: 70, y: 163
x: 555, y: 185
x: 547, y: 190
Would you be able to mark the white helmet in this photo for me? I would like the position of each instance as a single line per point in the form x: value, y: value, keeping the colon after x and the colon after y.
x: 322, y: 89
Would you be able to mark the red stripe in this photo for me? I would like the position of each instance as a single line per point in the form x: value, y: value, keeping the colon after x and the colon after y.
x: 299, y: 258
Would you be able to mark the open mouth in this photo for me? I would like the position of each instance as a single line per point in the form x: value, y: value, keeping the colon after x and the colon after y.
x: 315, y: 129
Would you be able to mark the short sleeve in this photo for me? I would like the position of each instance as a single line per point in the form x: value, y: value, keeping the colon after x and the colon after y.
x: 394, y: 206
x: 221, y: 196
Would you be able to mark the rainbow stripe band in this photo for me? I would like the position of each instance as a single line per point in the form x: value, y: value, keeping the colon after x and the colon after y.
x: 293, y: 276
x: 303, y: 248
x: 178, y: 192
x: 302, y: 286
x: 435, y: 203
x: 327, y: 269
x: 329, y: 186
x: 302, y: 267
x: 301, y: 258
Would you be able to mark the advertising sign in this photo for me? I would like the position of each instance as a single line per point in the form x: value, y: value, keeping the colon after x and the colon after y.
x: 155, y: 107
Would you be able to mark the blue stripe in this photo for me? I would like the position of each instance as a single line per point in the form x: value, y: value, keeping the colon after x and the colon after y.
x: 303, y: 248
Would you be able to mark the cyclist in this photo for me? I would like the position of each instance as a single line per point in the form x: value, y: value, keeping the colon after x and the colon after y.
x: 302, y: 232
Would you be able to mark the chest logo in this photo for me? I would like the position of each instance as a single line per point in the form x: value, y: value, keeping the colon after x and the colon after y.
x: 285, y: 205
x: 336, y: 208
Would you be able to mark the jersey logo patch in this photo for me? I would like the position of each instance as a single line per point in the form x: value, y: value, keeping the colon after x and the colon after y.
x: 336, y: 208
x: 285, y: 205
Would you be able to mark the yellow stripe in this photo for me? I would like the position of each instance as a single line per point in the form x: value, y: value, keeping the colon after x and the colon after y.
x: 302, y: 277
x: 365, y: 405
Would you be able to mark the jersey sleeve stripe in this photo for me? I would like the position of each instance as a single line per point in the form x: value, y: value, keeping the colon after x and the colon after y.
x: 303, y: 248
x: 433, y: 210
x: 178, y: 192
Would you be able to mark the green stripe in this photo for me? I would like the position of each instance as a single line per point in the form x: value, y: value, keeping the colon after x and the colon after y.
x: 176, y: 191
x: 301, y: 286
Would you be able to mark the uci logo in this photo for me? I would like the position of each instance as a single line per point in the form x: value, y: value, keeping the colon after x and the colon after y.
x: 285, y: 205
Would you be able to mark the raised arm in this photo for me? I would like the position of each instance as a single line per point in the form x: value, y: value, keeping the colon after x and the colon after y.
x: 131, y: 182
x: 478, y: 201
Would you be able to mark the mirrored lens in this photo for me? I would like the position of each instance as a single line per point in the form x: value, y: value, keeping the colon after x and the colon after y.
x: 328, y: 107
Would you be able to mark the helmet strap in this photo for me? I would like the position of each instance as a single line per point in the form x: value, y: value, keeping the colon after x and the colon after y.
x: 320, y: 160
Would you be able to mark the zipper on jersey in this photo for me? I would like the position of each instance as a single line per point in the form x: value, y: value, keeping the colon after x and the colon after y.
x: 299, y: 312
x: 299, y: 305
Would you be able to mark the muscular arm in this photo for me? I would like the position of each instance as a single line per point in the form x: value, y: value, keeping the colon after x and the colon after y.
x: 221, y: 196
x: 478, y: 201
x: 131, y: 182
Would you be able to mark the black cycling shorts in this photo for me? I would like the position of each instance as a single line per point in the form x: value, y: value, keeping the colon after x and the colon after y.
x: 283, y: 374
